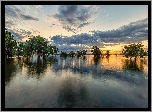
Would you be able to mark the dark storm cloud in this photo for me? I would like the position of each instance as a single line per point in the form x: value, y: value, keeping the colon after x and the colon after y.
x: 73, y: 17
x: 133, y: 32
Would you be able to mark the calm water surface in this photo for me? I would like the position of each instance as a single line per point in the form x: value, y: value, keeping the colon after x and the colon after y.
x: 111, y: 82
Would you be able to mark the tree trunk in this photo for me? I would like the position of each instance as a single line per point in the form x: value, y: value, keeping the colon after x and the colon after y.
x: 135, y: 59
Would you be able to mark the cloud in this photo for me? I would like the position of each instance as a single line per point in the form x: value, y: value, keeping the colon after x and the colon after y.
x: 137, y: 31
x: 74, y: 17
x: 35, y: 8
x: 19, y: 34
x: 27, y: 17
x: 9, y: 24
x: 133, y: 32
x: 16, y: 15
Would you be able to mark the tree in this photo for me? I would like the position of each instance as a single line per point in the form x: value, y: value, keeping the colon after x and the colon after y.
x: 79, y: 53
x: 83, y: 52
x: 20, y: 49
x: 55, y: 49
x: 96, y: 51
x: 134, y: 50
x: 71, y: 54
x: 10, y: 44
x: 28, y: 48
x: 63, y: 54
x: 108, y: 53
x: 35, y: 45
x: 40, y: 45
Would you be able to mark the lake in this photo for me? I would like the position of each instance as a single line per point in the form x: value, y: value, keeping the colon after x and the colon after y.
x: 54, y: 82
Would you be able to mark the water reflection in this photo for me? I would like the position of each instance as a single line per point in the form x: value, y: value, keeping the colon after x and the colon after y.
x: 107, y: 57
x: 76, y: 82
x: 134, y: 65
x: 97, y: 69
x: 36, y: 69
x: 10, y: 69
x: 72, y: 93
x: 96, y: 60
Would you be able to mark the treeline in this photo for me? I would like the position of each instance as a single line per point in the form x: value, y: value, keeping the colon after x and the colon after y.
x: 41, y: 47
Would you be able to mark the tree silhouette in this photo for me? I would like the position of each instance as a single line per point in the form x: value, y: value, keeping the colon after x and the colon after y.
x: 96, y: 51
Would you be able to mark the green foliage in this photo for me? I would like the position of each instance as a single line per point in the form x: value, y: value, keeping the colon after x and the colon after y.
x: 63, y: 54
x: 55, y: 49
x: 28, y: 49
x: 71, y: 54
x: 134, y: 50
x: 96, y: 51
x: 36, y: 45
x: 51, y: 50
x: 39, y: 45
x: 10, y: 44
x: 20, y: 49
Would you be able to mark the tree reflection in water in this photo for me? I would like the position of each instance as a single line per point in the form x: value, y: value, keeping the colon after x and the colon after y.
x: 10, y: 69
x: 96, y: 59
x: 134, y: 65
x: 52, y: 60
x: 36, y: 69
x: 72, y: 94
x: 107, y: 57
x: 75, y: 83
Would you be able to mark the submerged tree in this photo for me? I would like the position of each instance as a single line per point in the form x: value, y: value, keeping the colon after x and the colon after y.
x: 51, y: 50
x: 10, y: 44
x: 96, y: 51
x: 28, y: 48
x: 20, y: 49
x: 83, y: 52
x: 71, y: 54
x: 134, y: 50
x: 39, y: 45
x: 107, y: 53
x: 63, y: 54
x: 79, y: 53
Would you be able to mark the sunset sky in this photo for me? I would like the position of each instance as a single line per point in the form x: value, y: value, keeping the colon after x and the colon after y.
x: 80, y: 26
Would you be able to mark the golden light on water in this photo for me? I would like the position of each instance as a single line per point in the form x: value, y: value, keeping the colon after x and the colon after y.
x: 119, y: 62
